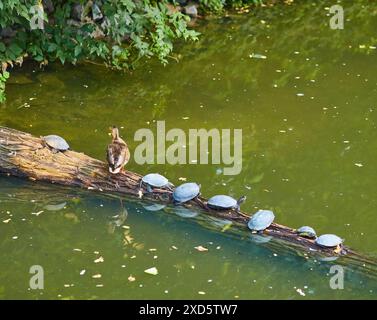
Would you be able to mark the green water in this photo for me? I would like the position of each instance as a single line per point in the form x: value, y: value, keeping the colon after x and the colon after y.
x: 311, y: 158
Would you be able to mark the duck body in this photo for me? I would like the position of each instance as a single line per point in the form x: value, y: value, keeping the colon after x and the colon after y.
x: 118, y: 153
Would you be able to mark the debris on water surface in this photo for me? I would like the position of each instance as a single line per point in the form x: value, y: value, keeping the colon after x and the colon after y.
x: 358, y: 165
x: 7, y: 220
x: 300, y: 292
x: 82, y: 272
x: 257, y: 56
x: 100, y: 259
x: 152, y: 271
x: 96, y: 276
x: 131, y: 278
x: 76, y: 249
x: 182, y: 179
x: 201, y: 249
x: 15, y: 237
x: 37, y: 213
x: 300, y: 94
x: 174, y: 247
x: 201, y: 292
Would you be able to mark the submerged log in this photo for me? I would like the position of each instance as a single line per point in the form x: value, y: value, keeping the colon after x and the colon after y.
x: 26, y: 156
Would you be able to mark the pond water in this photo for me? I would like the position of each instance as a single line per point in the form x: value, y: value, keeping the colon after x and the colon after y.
x: 305, y: 97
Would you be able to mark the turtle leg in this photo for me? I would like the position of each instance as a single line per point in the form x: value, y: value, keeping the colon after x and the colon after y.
x: 170, y: 186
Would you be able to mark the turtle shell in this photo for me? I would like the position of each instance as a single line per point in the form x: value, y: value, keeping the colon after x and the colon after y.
x: 155, y: 180
x: 328, y: 240
x: 186, y: 192
x: 222, y: 202
x: 306, y: 231
x: 261, y: 220
x: 56, y: 142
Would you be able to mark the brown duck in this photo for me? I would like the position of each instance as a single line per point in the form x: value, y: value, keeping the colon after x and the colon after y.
x: 117, y: 152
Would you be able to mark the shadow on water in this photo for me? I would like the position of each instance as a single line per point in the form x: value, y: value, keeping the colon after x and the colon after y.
x: 54, y: 225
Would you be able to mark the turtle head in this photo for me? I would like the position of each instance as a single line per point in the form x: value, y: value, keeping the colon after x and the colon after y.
x: 241, y: 200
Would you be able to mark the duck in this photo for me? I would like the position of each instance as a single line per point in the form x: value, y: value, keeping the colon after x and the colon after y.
x: 118, y: 153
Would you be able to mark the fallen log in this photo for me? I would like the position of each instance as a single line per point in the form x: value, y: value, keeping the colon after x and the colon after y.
x: 26, y: 156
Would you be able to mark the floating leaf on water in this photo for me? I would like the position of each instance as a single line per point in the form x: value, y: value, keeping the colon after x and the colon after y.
x: 100, y: 259
x: 96, y: 276
x: 358, y: 165
x: 174, y: 247
x: 201, y: 292
x: 82, y: 272
x: 300, y: 292
x: 76, y: 249
x: 201, y: 249
x: 7, y: 220
x: 182, y: 179
x: 257, y: 56
x: 153, y: 271
x: 152, y: 249
x: 131, y: 278
x: 37, y: 213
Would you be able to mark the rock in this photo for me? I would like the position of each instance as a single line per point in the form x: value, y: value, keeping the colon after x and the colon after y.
x: 77, y: 10
x: 48, y: 6
x: 191, y: 10
x: 96, y: 13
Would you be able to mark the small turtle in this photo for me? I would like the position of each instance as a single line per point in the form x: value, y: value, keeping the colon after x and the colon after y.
x: 261, y: 220
x: 56, y: 143
x: 307, y: 232
x: 223, y: 202
x: 155, y: 180
x: 186, y: 192
x: 329, y: 241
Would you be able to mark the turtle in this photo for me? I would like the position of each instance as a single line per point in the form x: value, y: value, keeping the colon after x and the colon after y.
x: 329, y: 241
x: 223, y: 202
x: 186, y: 192
x: 261, y: 220
x: 307, y: 232
x: 56, y: 143
x: 155, y: 180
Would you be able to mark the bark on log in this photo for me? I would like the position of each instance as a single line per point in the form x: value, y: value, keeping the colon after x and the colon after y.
x: 24, y: 155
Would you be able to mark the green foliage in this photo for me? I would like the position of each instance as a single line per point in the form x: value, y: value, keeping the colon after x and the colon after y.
x: 128, y: 31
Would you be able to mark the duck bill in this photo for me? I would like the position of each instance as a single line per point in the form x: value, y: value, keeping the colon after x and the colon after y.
x: 115, y: 171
